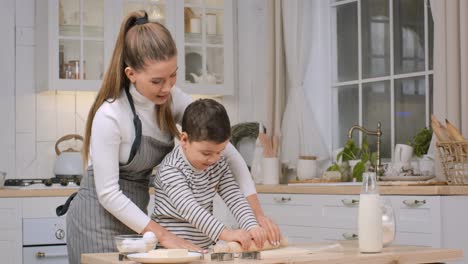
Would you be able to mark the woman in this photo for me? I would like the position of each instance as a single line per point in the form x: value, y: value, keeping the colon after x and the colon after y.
x: 130, y: 128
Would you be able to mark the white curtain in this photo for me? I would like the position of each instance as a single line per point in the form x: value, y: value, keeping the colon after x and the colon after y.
x: 300, y: 132
x: 451, y: 61
x: 450, y: 65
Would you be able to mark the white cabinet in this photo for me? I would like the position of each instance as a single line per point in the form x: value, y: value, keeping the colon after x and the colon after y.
x: 206, y: 52
x: 10, y: 230
x: 73, y: 43
x: 418, y: 220
x: 75, y: 39
x: 204, y: 34
x: 435, y: 221
x: 334, y: 217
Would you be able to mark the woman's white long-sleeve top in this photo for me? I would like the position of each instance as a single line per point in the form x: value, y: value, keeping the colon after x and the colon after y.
x: 112, y: 137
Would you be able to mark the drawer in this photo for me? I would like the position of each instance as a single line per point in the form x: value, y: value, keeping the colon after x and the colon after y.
x: 287, y: 199
x: 338, y: 211
x: 417, y: 214
x: 335, y: 211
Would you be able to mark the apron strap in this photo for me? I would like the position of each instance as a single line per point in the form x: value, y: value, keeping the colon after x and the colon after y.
x: 137, y: 125
x: 62, y: 209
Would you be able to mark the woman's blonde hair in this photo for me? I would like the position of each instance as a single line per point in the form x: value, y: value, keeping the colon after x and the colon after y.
x: 136, y: 44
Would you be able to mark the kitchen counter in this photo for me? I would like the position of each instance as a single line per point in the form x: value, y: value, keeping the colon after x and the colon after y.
x: 24, y: 192
x: 348, y: 254
x: 331, y: 188
x: 336, y: 188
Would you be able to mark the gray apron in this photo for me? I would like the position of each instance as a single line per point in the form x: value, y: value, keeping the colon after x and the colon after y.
x: 90, y: 227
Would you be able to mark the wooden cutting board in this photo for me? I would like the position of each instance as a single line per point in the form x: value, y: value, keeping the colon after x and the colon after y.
x: 288, y: 251
x: 291, y: 251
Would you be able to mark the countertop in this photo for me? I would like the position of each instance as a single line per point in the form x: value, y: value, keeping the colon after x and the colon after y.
x: 7, y: 192
x: 331, y: 188
x: 348, y: 254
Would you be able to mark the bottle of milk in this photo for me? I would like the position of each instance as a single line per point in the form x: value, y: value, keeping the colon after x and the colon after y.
x: 370, y: 215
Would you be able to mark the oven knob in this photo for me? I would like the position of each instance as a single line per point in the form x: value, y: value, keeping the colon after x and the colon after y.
x: 60, y: 234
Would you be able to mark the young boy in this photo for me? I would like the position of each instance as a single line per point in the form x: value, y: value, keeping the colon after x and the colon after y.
x: 189, y: 177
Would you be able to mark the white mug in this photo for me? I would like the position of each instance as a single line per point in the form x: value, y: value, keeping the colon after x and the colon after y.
x: 403, y: 154
x: 306, y: 168
x: 270, y: 170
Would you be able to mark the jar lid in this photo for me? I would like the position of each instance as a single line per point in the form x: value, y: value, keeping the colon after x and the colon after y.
x: 308, y: 157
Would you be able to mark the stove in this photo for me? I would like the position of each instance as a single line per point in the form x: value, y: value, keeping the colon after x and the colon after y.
x: 55, y: 182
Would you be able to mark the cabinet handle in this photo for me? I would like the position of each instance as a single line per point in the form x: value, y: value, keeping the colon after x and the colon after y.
x: 414, y: 202
x: 350, y: 202
x: 282, y: 199
x: 350, y: 236
x: 43, y: 255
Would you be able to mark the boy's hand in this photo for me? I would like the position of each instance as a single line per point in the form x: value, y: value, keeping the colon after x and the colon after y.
x: 238, y: 235
x: 259, y: 236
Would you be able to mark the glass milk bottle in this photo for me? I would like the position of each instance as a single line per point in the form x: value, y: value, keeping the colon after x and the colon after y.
x: 370, y: 215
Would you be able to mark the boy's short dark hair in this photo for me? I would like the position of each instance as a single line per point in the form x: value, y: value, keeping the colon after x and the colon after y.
x: 206, y: 120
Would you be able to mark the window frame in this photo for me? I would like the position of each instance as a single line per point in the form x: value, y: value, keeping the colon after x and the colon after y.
x: 426, y: 73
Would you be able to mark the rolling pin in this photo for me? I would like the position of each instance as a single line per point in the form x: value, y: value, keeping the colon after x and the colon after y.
x: 235, y: 247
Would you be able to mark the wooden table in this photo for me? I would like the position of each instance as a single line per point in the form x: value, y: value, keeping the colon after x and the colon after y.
x: 348, y: 253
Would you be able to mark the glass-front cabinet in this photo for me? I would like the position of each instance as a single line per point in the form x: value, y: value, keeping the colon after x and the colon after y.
x: 205, y: 38
x: 75, y: 40
x: 77, y: 37
x: 203, y: 31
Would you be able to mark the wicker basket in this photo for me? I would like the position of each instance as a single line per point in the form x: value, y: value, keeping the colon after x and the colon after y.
x: 454, y: 158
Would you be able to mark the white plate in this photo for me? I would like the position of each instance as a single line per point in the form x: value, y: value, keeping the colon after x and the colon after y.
x: 406, y: 178
x: 145, y: 258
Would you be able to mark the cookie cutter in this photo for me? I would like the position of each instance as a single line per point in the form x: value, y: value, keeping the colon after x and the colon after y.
x: 250, y: 255
x: 222, y: 256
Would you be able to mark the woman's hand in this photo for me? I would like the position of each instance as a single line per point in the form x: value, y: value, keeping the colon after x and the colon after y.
x: 259, y: 236
x: 272, y: 229
x: 238, y: 235
x: 168, y: 239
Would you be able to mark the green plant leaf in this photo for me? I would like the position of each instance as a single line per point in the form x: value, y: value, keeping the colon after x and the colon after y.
x: 421, y: 142
x: 334, y: 167
x: 358, y: 170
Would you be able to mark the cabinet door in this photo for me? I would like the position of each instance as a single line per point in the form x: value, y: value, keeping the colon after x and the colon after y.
x: 204, y: 35
x: 161, y: 11
x: 418, y: 220
x: 10, y: 230
x: 72, y: 44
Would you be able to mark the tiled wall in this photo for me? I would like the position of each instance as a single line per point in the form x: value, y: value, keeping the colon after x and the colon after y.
x: 40, y: 118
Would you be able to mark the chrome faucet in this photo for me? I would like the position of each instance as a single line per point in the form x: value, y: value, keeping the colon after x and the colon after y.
x: 377, y: 133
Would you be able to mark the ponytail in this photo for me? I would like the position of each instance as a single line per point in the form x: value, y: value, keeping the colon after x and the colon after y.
x: 136, y: 43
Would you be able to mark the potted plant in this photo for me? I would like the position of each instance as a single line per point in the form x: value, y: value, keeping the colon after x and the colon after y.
x: 420, y: 143
x: 354, y: 160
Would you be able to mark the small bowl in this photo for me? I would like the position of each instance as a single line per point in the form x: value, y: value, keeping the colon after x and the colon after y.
x: 134, y: 243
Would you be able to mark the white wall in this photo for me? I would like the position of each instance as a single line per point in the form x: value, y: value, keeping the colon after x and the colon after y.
x: 41, y: 118
x: 7, y: 89
x: 32, y: 122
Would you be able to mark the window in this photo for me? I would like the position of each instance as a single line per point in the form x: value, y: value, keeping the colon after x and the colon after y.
x: 382, y: 68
